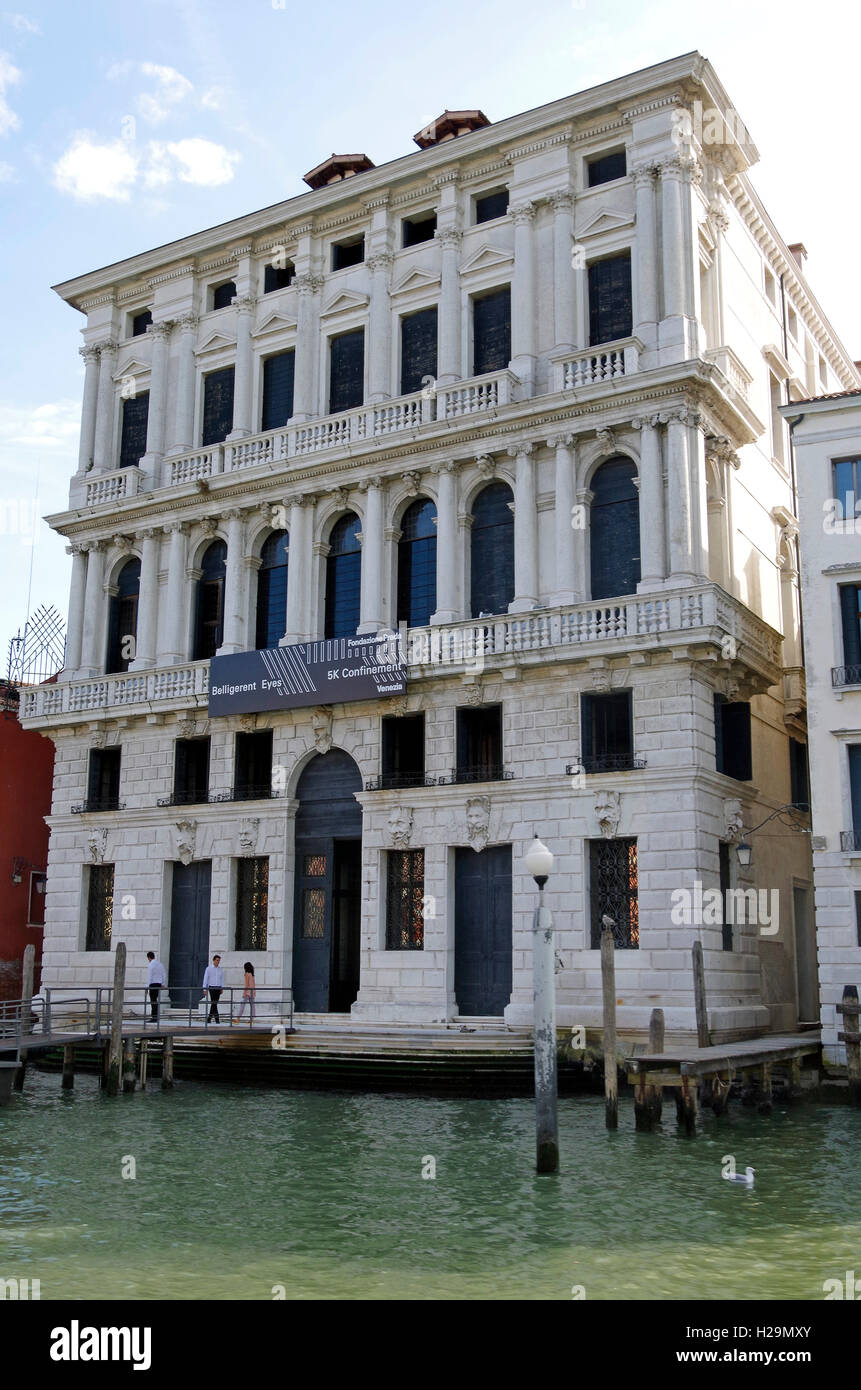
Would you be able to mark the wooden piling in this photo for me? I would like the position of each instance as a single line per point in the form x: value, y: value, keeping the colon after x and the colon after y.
x: 68, y: 1067
x: 608, y: 984
x: 116, y: 1048
x: 129, y: 1081
x: 851, y: 1036
x: 700, y: 1002
x: 720, y: 1088
x: 27, y: 978
x: 686, y: 1103
x: 143, y: 1062
x: 647, y: 1095
x: 748, y: 1089
x: 764, y: 1098
x: 167, y: 1063
x: 795, y: 1090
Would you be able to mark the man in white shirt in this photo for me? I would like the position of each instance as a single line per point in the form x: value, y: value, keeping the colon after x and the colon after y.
x: 156, y: 979
x: 213, y: 980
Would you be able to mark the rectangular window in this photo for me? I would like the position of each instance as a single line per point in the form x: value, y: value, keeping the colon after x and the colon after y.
x: 100, y: 907
x: 418, y: 229
x: 798, y: 775
x: 613, y: 891
x: 403, y: 741
x: 607, y: 167
x: 850, y: 614
x: 253, y: 780
x: 479, y: 744
x: 418, y: 349
x: 134, y: 425
x: 141, y: 322
x: 347, y: 371
x: 191, y: 771
x: 778, y: 427
x: 733, y: 739
x: 770, y: 287
x: 725, y: 886
x: 103, y: 785
x: 277, y: 277
x: 217, y: 406
x: 489, y: 206
x: 858, y: 916
x: 607, y: 731
x: 405, y: 871
x: 314, y: 914
x: 347, y: 253
x: 491, y: 332
x: 36, y: 907
x: 855, y: 789
x: 847, y: 487
x: 610, y: 311
x: 252, y: 904
x: 223, y: 294
x: 278, y: 376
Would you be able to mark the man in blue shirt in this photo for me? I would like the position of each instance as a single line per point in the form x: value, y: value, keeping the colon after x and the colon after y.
x: 213, y: 980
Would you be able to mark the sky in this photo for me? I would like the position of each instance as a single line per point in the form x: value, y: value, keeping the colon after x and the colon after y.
x: 125, y: 126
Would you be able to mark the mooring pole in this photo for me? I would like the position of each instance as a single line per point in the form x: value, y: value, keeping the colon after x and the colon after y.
x: 129, y: 1080
x: 851, y: 1036
x: 167, y: 1063
x: 116, y: 1049
x: 608, y: 986
x: 648, y: 1097
x: 544, y: 1001
x: 27, y: 976
x: 68, y: 1066
x: 700, y: 1002
x: 144, y: 1046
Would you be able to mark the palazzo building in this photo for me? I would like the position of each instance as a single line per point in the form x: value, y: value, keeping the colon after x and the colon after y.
x: 517, y: 394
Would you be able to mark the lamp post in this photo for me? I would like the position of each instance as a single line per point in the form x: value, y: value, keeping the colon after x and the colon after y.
x: 744, y: 850
x: 539, y: 863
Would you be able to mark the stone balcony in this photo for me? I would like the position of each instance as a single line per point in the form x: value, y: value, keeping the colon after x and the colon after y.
x: 702, y: 616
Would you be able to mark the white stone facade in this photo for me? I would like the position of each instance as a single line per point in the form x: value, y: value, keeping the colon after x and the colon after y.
x: 688, y: 396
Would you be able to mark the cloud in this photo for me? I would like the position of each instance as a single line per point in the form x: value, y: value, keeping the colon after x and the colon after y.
x: 9, y: 76
x: 53, y: 425
x: 89, y: 170
x: 7, y: 173
x: 213, y: 98
x: 171, y: 88
x: 22, y: 23
x: 197, y: 161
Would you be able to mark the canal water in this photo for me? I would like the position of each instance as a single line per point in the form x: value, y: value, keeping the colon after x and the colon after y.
x: 241, y: 1193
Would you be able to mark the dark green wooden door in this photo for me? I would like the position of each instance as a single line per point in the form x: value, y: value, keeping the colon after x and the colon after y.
x: 482, y: 930
x: 189, y: 931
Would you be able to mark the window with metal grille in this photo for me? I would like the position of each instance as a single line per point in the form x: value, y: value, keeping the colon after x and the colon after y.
x: 343, y: 578
x: 314, y: 914
x: 278, y: 277
x: 278, y: 376
x: 134, y: 427
x: 858, y: 915
x: 491, y: 332
x: 347, y: 370
x: 855, y: 789
x: 850, y: 614
x: 418, y: 229
x: 217, y: 406
x: 272, y: 590
x: 847, y: 487
x: 725, y: 886
x: 405, y: 928
x: 103, y: 782
x: 191, y: 771
x: 479, y: 744
x: 253, y: 780
x: 491, y: 546
x: 607, y: 731
x: 100, y: 907
x: 418, y: 349
x: 141, y: 322
x: 209, y: 626
x: 613, y: 891
x: 607, y: 167
x: 417, y: 564
x: 614, y: 530
x: 123, y: 618
x: 489, y: 206
x: 347, y: 253
x: 252, y: 904
x: 733, y: 755
x: 223, y: 294
x: 403, y: 739
x: 610, y: 312
x: 799, y: 777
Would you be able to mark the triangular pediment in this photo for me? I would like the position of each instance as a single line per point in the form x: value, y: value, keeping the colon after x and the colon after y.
x: 133, y: 367
x: 344, y: 303
x: 416, y: 279
x: 486, y: 258
x: 605, y: 220
x: 215, y: 342
x: 274, y: 323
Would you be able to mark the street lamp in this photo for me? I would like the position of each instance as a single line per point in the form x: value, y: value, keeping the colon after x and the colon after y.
x: 539, y: 863
x: 745, y: 851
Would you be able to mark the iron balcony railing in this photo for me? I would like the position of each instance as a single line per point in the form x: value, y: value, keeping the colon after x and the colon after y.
x: 845, y: 675
x: 850, y: 840
x: 248, y: 791
x: 606, y: 762
x: 481, y: 772
x: 99, y: 803
x: 189, y: 797
x: 391, y: 781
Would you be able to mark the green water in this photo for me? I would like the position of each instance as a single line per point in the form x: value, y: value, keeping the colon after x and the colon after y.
x: 241, y: 1190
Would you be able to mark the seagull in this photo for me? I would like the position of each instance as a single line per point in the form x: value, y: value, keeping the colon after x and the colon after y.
x: 745, y: 1178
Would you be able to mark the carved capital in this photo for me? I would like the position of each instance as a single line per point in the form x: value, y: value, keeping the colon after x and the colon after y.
x: 382, y: 260
x: 244, y: 303
x: 187, y: 323
x: 644, y: 175
x: 523, y: 213
x: 160, y: 330
x: 560, y: 441
x: 449, y: 239
x: 562, y: 200
x: 525, y: 447
x: 90, y: 353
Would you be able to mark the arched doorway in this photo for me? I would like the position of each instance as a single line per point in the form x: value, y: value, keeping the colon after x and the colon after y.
x: 328, y: 905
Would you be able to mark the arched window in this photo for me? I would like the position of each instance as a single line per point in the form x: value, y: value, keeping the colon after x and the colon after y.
x: 615, y: 530
x: 492, y: 550
x: 123, y: 618
x: 209, y: 623
x: 417, y: 564
x: 272, y: 590
x: 343, y: 578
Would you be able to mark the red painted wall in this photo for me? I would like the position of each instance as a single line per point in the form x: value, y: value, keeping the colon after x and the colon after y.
x: 26, y: 777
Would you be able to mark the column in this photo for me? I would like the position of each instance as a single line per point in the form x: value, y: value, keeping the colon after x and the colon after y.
x: 582, y: 575
x: 525, y: 531
x: 699, y: 494
x: 652, y: 523
x: 75, y: 629
x: 298, y: 572
x: 523, y: 306
x: 565, y: 272
x: 379, y: 329
x: 679, y: 500
x: 233, y: 585
x: 175, y: 650
x: 155, y: 424
x: 565, y: 591
x: 646, y: 324
x: 104, y: 438
x: 242, y: 392
x: 447, y: 605
x: 184, y: 422
x: 86, y: 448
x: 449, y: 363
x: 93, y: 640
x: 147, y: 602
x: 371, y: 607
x: 678, y: 326
x: 304, y: 403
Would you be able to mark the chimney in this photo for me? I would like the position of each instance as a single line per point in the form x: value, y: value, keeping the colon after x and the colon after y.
x: 799, y: 253
x: 448, y: 126
x: 336, y: 168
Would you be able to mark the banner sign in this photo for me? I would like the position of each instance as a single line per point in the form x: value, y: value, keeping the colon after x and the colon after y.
x: 308, y: 673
